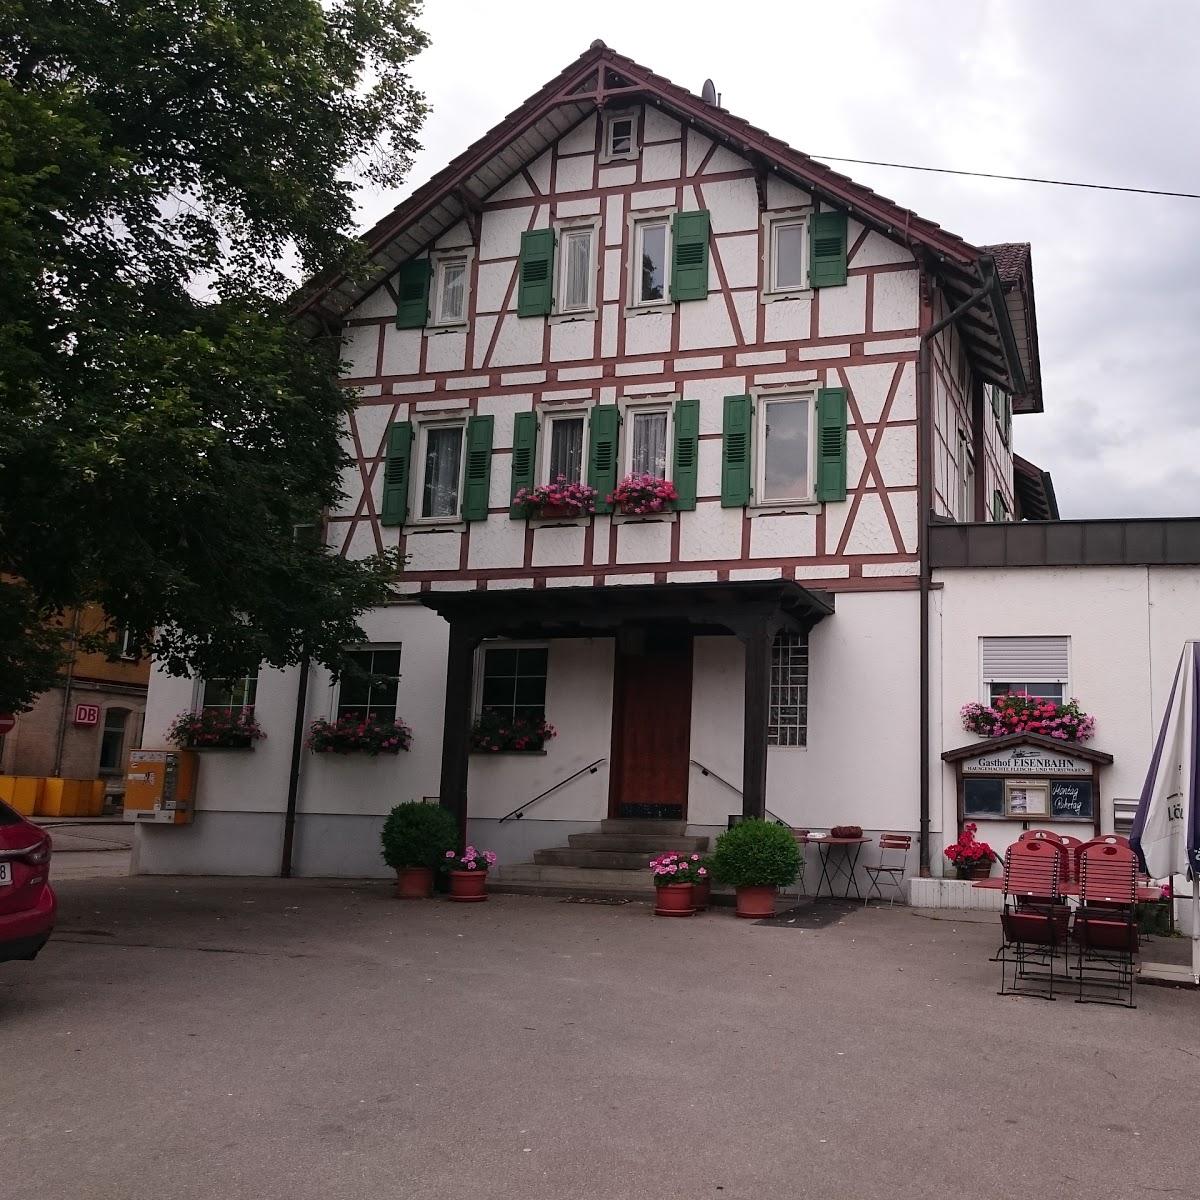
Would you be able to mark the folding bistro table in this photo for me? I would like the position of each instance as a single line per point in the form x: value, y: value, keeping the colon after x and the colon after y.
x: 840, y: 865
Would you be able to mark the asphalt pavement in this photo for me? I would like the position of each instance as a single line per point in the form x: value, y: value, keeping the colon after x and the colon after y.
x: 185, y: 1039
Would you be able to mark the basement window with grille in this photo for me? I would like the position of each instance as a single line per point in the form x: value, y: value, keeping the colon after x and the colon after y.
x: 788, y: 721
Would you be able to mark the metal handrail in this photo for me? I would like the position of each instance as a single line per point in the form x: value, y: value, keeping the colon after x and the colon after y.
x: 518, y: 812
x: 734, y: 788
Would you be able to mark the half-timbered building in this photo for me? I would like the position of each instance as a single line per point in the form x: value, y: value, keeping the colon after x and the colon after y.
x: 622, y: 278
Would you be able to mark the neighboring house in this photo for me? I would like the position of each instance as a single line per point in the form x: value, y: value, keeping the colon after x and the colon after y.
x: 84, y: 726
x: 620, y: 278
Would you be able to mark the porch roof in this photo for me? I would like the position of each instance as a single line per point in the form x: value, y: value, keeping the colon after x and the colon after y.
x: 595, y: 611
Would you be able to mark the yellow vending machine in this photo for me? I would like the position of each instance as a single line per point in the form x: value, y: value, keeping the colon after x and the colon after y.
x: 160, y: 786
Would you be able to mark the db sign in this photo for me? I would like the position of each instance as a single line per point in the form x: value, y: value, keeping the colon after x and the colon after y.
x: 87, y: 714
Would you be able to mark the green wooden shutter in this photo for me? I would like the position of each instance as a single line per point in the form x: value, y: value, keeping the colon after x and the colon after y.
x: 735, y: 452
x: 524, y: 456
x: 479, y: 468
x: 998, y: 513
x: 687, y: 452
x: 831, y: 444
x: 1007, y: 418
x: 535, y: 291
x: 604, y: 430
x: 996, y: 404
x: 689, y: 255
x: 412, y: 292
x: 827, y: 250
x: 395, y: 473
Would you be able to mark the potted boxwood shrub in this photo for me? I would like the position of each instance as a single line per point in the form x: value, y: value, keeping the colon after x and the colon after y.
x: 416, y: 838
x: 468, y: 874
x: 756, y: 858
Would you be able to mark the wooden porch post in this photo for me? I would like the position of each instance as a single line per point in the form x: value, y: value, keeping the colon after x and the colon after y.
x: 456, y: 729
x: 757, y: 637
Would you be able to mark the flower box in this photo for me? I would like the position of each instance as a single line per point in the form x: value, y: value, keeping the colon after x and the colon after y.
x: 216, y: 729
x: 498, y: 733
x: 643, y: 496
x: 559, y: 499
x: 1016, y: 713
x: 353, y: 735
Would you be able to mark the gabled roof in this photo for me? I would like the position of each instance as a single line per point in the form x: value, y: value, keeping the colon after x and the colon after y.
x: 602, y: 77
x: 1004, y: 742
x: 1034, y: 491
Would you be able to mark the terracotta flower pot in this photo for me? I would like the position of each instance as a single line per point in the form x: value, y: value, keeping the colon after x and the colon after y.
x: 756, y: 902
x: 414, y: 883
x: 700, y: 894
x: 468, y: 887
x: 673, y: 900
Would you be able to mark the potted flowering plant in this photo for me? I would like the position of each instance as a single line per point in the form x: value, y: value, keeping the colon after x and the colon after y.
x: 557, y: 499
x: 641, y: 495
x: 497, y: 732
x: 972, y: 859
x: 468, y: 874
x: 416, y: 837
x: 216, y: 729
x: 756, y: 857
x: 1016, y: 713
x: 675, y: 879
x: 358, y: 735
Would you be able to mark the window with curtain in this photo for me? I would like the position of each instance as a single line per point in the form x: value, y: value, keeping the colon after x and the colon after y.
x: 575, y: 287
x: 441, y: 470
x: 648, y: 443
x: 566, y: 449
x: 370, y: 683
x: 451, y: 289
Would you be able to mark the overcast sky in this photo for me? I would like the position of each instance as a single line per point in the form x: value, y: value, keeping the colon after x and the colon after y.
x: 1090, y: 90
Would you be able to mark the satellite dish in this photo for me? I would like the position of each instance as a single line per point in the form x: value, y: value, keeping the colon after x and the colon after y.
x: 708, y: 93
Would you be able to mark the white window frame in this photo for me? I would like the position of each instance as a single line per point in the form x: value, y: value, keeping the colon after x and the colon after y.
x: 417, y: 488
x: 771, y: 291
x: 664, y: 403
x: 548, y: 417
x: 438, y: 260
x: 198, y: 687
x: 607, y: 154
x: 335, y: 686
x: 562, y: 230
x: 638, y: 221
x: 966, y: 479
x: 762, y: 401
x: 502, y: 644
x: 986, y: 681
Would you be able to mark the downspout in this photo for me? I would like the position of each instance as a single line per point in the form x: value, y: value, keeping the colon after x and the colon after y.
x: 924, y: 510
x: 289, y: 815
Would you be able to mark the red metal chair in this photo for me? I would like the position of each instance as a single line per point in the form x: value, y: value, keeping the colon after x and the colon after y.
x: 1106, y: 930
x: 1107, y: 839
x: 1065, y: 874
x: 1070, y: 845
x: 890, y: 845
x: 1034, y: 920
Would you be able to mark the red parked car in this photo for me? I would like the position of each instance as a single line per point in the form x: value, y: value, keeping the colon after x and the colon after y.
x: 27, y: 903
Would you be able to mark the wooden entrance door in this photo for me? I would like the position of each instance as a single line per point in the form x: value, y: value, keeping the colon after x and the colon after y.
x: 652, y: 720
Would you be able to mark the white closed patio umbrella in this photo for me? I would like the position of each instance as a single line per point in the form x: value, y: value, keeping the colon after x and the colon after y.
x: 1166, y: 830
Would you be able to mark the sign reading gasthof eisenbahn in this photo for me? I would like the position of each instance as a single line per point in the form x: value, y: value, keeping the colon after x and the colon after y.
x: 1025, y: 760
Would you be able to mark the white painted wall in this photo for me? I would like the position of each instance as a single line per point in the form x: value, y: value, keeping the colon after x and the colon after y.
x: 1126, y: 625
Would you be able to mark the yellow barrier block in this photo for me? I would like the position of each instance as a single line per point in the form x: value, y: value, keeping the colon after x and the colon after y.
x: 95, y: 800
x: 23, y: 792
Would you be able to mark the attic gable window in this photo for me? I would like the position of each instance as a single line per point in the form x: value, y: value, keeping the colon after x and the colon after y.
x: 449, y: 296
x: 785, y: 254
x: 620, y: 137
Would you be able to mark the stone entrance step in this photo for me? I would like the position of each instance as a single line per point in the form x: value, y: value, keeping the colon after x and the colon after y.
x: 605, y: 860
x: 545, y: 880
x: 669, y: 829
x: 647, y: 844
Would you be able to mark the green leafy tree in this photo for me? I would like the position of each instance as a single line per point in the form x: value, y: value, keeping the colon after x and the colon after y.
x: 164, y: 430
